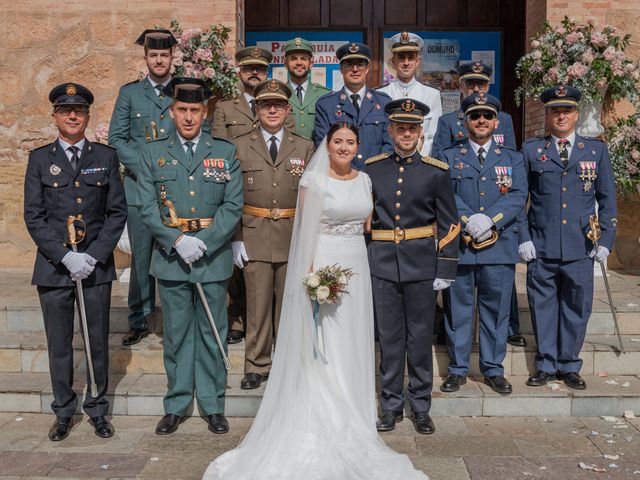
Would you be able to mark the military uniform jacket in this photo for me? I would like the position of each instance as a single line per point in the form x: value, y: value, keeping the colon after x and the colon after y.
x: 451, y: 131
x: 214, y: 191
x: 562, y: 201
x: 304, y: 113
x: 269, y: 185
x: 427, y: 95
x: 139, y: 115
x: 53, y: 190
x: 371, y: 121
x: 497, y: 189
x: 410, y: 193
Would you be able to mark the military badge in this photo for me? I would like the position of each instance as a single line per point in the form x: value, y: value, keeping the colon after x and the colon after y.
x: 580, y: 145
x: 587, y: 175
x: 71, y: 90
x: 378, y: 106
x: 343, y: 97
x: 543, y: 158
x: 207, y: 164
x: 481, y: 99
x: 297, y: 41
x: 408, y: 105
x: 404, y: 38
x: 561, y: 91
x: 219, y: 169
x: 504, y: 178
x: 162, y: 162
x: 476, y: 67
x: 297, y: 166
x: 54, y: 170
x: 460, y: 165
x: 255, y: 53
x: 273, y: 86
x: 498, y: 151
x: 463, y: 151
x: 353, y: 48
x: 369, y: 96
x: 539, y: 150
x: 250, y: 180
x: 498, y: 138
x: 174, y: 162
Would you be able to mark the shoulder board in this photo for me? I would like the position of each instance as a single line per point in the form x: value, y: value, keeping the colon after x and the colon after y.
x: 321, y: 87
x: 382, y: 156
x: 40, y: 148
x: 297, y: 135
x: 593, y: 139
x: 378, y: 92
x: 534, y: 139
x: 436, y: 163
x: 100, y: 144
x: 133, y: 82
x: 221, y: 139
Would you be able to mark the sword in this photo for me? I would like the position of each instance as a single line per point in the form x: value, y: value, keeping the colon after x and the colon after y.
x: 594, y: 235
x: 74, y: 239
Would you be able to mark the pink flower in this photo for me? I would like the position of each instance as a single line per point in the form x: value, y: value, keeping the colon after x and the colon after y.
x: 209, y: 72
x: 177, y: 62
x: 574, y: 37
x: 177, y: 53
x: 598, y: 39
x: 635, y: 154
x: 203, y: 54
x: 188, y: 69
x: 535, y: 44
x: 559, y: 43
x: 588, y: 56
x: 577, y: 70
x: 553, y: 74
x: 536, y: 54
x: 609, y: 53
x: 101, y: 132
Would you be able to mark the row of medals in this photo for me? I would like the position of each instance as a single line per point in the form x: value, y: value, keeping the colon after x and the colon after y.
x: 587, y: 175
x: 504, y: 179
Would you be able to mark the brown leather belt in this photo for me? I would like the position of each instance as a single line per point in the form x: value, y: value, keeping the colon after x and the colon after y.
x: 186, y: 225
x: 272, y: 213
x: 400, y: 234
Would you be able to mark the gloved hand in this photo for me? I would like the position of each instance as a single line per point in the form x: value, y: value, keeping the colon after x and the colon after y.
x: 527, y: 251
x: 78, y: 266
x: 441, y: 284
x: 190, y: 248
x: 90, y: 260
x: 600, y: 254
x: 481, y: 237
x: 239, y: 253
x: 478, y: 224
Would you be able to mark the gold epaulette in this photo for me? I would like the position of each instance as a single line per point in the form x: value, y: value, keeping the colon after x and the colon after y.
x: 435, y: 163
x: 382, y: 156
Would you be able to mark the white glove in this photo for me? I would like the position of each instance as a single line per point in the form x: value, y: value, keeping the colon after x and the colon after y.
x: 190, y: 249
x: 239, y: 253
x: 90, y: 260
x: 481, y: 237
x: 600, y: 254
x: 78, y: 266
x: 527, y: 251
x: 441, y: 284
x: 478, y: 224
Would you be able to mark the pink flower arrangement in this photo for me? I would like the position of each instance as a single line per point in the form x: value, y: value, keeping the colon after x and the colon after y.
x: 623, y: 139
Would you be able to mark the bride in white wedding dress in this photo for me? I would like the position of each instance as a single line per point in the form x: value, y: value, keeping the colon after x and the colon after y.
x: 317, y: 419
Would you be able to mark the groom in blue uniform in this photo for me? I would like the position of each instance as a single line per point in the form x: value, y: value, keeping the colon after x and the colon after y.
x: 568, y: 174
x: 356, y: 104
x: 413, y: 203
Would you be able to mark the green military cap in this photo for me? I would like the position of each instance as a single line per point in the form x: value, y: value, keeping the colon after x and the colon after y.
x: 253, y: 56
x: 298, y: 45
x: 272, y: 90
x: 157, y: 39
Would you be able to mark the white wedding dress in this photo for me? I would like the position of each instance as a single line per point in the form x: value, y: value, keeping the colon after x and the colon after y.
x: 317, y: 420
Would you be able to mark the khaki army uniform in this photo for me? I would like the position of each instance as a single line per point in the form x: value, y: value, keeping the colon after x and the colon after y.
x: 233, y: 118
x: 270, y: 189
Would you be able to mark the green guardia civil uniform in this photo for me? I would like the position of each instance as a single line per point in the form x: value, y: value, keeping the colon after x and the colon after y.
x: 304, y: 112
x: 204, y: 188
x: 140, y: 115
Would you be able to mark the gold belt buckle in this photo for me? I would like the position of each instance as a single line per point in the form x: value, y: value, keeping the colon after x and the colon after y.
x: 194, y: 224
x: 274, y: 213
x: 398, y: 235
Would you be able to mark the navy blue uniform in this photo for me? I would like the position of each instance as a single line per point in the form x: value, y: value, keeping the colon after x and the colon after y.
x: 409, y: 193
x: 560, y: 279
x: 53, y: 190
x: 483, y: 189
x: 371, y: 121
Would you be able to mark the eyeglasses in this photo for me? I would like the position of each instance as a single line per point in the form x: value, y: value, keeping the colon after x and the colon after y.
x: 279, y: 106
x: 472, y: 83
x: 80, y: 111
x: 359, y: 64
x: 254, y: 68
x: 487, y: 115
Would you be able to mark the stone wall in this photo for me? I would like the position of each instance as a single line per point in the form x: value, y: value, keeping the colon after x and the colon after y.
x: 46, y: 43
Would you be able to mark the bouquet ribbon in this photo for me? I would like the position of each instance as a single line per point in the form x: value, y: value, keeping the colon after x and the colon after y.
x: 317, y: 352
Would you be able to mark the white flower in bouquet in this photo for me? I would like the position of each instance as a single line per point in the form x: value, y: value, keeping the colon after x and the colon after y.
x: 313, y: 280
x: 322, y: 294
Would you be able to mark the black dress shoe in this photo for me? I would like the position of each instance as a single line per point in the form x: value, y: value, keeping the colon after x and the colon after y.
x: 388, y: 420
x: 217, y: 423
x: 168, y: 424
x: 235, y: 336
x: 452, y: 383
x: 573, y: 380
x: 134, y: 336
x: 102, y: 427
x: 252, y: 380
x: 540, y: 378
x: 516, y: 341
x: 423, y: 423
x: 499, y: 384
x: 60, y: 429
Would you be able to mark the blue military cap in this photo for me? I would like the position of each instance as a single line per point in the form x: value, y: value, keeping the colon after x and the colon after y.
x: 561, y: 96
x: 189, y: 90
x: 474, y: 71
x: 157, y: 39
x: 70, y: 94
x: 406, y: 110
x: 481, y: 101
x: 353, y: 50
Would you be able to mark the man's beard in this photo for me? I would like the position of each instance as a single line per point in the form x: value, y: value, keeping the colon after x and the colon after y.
x: 298, y: 75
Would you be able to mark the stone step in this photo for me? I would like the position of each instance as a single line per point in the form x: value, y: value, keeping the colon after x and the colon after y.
x: 142, y: 394
x: 27, y: 353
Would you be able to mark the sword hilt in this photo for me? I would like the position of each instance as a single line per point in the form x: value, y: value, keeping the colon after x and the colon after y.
x: 595, y: 232
x: 173, y: 216
x: 75, y: 235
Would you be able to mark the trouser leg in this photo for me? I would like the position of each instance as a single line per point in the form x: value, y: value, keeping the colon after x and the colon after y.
x: 259, y: 280
x: 237, y: 310
x: 514, y: 315
x: 458, y: 314
x: 142, y: 286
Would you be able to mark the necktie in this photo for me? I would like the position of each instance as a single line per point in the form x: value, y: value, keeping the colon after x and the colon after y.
x: 189, y: 151
x: 563, y: 143
x: 354, y: 99
x: 481, y: 155
x: 273, y: 148
x: 252, y: 103
x: 299, y: 93
x: 159, y: 90
x: 74, y: 156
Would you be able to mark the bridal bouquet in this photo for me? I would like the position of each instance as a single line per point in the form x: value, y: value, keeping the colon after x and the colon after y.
x: 327, y: 284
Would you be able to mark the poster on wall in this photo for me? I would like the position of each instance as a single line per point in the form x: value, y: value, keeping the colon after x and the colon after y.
x: 442, y: 53
x: 326, y: 68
